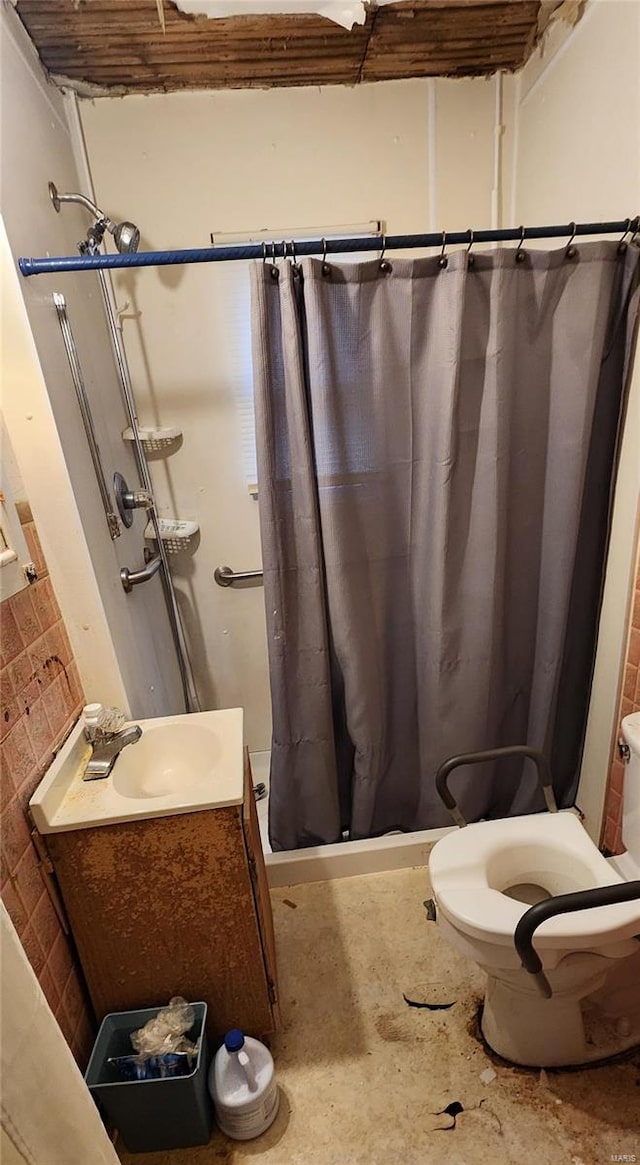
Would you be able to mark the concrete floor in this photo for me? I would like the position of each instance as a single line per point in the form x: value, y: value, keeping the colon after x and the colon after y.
x: 363, y: 1075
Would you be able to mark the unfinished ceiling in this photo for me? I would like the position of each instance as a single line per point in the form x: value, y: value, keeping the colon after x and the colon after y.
x: 146, y: 45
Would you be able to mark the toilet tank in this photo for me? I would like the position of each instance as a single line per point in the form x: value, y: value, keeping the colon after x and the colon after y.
x: 631, y: 792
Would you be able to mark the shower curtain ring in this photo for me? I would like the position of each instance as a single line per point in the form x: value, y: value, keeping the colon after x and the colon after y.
x: 264, y: 253
x: 273, y: 270
x: 384, y: 264
x: 443, y: 261
x: 296, y: 266
x: 571, y: 251
x: 326, y: 269
x: 520, y: 255
x: 622, y: 246
x: 635, y: 227
x: 471, y: 259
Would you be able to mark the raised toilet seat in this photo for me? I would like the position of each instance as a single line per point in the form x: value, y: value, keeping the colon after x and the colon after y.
x: 485, y: 876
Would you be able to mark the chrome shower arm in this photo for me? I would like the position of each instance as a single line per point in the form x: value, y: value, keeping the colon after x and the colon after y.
x: 81, y: 199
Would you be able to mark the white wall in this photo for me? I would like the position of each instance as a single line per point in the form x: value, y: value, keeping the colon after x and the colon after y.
x: 122, y: 643
x: 576, y: 120
x: 182, y: 165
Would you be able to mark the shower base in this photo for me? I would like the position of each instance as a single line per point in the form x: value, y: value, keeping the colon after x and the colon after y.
x: 394, y: 851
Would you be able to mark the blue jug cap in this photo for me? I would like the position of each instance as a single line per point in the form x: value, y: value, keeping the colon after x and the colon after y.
x: 234, y: 1040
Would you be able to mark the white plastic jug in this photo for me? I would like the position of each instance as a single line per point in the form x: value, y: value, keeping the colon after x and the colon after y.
x: 243, y: 1086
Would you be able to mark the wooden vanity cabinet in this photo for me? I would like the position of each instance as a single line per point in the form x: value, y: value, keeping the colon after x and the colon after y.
x: 174, y: 906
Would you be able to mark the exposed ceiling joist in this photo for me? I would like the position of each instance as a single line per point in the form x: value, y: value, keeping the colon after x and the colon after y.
x: 121, y: 46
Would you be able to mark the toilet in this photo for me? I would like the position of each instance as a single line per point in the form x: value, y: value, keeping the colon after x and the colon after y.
x: 486, y: 875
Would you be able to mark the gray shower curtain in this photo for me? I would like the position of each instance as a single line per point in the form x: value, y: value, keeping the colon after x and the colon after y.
x: 436, y: 451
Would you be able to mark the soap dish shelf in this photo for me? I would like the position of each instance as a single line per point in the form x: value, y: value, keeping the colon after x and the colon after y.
x: 155, y: 439
x: 176, y: 533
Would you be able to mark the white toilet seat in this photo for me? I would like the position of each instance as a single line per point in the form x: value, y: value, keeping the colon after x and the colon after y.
x: 471, y: 868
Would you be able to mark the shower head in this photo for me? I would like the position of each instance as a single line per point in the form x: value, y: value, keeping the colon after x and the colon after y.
x: 125, y: 234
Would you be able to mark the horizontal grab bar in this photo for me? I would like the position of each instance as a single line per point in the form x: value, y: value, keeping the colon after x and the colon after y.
x: 226, y: 577
x: 472, y: 758
x: 565, y: 904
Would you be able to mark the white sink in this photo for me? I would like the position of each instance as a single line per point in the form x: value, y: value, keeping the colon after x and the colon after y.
x: 180, y: 764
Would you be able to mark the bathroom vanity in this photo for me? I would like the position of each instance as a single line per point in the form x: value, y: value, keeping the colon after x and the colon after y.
x: 162, y: 874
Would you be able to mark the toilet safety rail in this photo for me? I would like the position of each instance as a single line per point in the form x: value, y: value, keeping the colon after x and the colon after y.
x: 473, y: 758
x: 565, y: 904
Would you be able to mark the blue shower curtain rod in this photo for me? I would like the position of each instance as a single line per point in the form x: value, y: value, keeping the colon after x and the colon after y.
x: 294, y: 250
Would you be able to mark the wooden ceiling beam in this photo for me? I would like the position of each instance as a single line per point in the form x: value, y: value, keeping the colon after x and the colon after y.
x: 120, y: 44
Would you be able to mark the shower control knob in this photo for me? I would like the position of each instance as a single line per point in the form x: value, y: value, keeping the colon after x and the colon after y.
x: 138, y: 499
x: 130, y: 499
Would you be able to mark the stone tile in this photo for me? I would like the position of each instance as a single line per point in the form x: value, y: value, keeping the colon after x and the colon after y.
x: 45, y: 603
x: 7, y: 788
x: 617, y: 777
x: 29, y: 881
x: 634, y: 647
x: 46, y: 924
x: 16, y: 839
x: 33, y: 950
x: 18, y: 755
x: 9, y: 716
x: 60, y: 962
x: 66, y: 1027
x: 635, y: 612
x: 50, y: 989
x: 73, y: 1001
x: 15, y: 906
x: 28, y: 696
x: 58, y: 645
x: 6, y: 687
x: 26, y: 616
x: 38, y: 657
x: 55, y: 704
x: 83, y: 1040
x: 76, y: 687
x: 11, y: 643
x: 630, y: 680
x: 626, y: 708
x: 21, y: 672
x: 39, y: 731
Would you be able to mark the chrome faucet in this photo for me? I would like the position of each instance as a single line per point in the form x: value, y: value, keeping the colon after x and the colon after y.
x: 107, y: 747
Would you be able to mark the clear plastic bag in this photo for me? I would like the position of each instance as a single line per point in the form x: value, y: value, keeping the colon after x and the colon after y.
x: 165, y: 1033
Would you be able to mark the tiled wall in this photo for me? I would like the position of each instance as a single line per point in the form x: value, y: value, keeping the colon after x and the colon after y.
x: 630, y: 702
x: 41, y: 698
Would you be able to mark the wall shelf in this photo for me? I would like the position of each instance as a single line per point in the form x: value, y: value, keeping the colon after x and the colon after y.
x: 155, y: 439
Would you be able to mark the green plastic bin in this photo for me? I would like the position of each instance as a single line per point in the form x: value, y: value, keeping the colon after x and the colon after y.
x: 172, y: 1113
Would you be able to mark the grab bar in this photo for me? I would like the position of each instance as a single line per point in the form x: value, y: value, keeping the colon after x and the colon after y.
x: 132, y: 578
x: 472, y: 758
x: 226, y: 577
x: 564, y: 904
x: 85, y: 411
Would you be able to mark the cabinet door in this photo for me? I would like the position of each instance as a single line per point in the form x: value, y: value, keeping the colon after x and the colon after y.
x: 166, y: 907
x: 255, y: 857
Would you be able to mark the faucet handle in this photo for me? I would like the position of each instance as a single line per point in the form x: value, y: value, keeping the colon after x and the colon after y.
x: 111, y: 721
x: 101, y: 722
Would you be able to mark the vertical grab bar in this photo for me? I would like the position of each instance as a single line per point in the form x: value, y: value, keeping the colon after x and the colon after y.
x: 85, y: 411
x: 189, y: 689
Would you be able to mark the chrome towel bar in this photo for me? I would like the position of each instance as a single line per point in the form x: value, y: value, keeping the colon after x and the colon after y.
x: 226, y: 577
